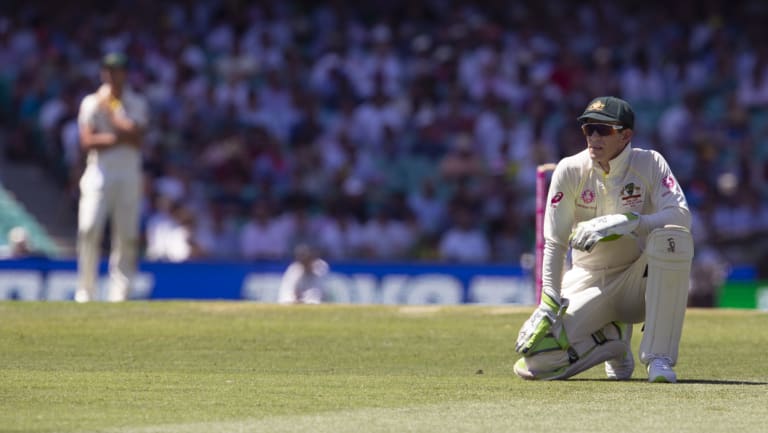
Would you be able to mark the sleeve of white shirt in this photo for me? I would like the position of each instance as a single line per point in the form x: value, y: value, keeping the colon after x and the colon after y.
x: 558, y: 222
x: 667, y: 197
x: 87, y: 112
x: 287, y: 293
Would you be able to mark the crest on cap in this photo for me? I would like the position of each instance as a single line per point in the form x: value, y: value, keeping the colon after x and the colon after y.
x: 596, y: 106
x: 114, y: 60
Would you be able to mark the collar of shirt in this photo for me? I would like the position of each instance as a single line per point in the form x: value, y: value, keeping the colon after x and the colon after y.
x: 618, y: 164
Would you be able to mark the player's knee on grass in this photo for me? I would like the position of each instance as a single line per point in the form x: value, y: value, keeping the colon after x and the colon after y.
x: 598, y: 347
x: 542, y: 366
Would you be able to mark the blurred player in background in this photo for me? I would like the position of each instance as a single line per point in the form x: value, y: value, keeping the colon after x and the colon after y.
x: 303, y: 281
x: 627, y: 221
x: 112, y: 122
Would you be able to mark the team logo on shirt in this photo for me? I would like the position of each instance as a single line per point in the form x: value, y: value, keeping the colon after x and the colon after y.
x: 587, y: 197
x: 630, y: 195
x: 630, y: 191
x: 669, y: 182
x: 629, y: 188
x: 556, y: 199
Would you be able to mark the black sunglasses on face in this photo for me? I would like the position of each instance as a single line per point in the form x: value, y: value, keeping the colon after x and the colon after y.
x: 602, y: 129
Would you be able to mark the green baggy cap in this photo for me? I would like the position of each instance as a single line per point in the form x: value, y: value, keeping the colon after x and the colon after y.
x: 610, y: 109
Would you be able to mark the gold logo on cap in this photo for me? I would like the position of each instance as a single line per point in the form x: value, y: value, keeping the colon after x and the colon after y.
x: 596, y: 106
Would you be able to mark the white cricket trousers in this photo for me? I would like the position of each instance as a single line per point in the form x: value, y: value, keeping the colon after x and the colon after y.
x: 603, y: 296
x: 115, y: 197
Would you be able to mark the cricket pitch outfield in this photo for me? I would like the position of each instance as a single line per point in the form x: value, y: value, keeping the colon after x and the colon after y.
x: 246, y: 367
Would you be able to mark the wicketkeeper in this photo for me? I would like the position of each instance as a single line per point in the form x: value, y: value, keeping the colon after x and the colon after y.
x: 626, y: 219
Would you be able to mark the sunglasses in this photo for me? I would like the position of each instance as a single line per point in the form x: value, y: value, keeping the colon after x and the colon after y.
x: 602, y: 129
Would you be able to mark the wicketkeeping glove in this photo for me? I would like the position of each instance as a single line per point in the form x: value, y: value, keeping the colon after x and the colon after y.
x: 604, y: 228
x: 546, y: 321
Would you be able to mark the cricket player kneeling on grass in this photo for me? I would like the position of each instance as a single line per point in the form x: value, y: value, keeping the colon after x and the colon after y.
x: 549, y: 352
x: 622, y: 215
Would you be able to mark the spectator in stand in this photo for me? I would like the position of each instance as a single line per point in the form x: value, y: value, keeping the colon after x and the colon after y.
x: 301, y: 225
x: 19, y: 246
x: 173, y: 236
x: 370, y: 120
x: 753, y: 82
x: 602, y: 78
x: 217, y: 232
x: 340, y: 236
x: 264, y: 237
x: 219, y: 77
x: 642, y: 83
x: 428, y: 208
x: 463, y: 161
x: 464, y: 241
x: 508, y: 244
x: 489, y: 129
x: 159, y: 220
x: 386, y: 237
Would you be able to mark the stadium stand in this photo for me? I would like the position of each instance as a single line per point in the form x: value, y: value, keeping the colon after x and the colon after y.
x: 333, y: 107
x: 13, y: 215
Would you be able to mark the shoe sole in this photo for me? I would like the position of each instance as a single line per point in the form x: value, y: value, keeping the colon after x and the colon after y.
x: 662, y: 379
x: 619, y: 378
x: 614, y: 376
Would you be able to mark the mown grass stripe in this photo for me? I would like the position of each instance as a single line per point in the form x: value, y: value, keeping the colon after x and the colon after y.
x: 230, y: 366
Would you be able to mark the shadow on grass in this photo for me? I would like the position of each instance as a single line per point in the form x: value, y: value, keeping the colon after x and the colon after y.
x: 721, y: 382
x: 681, y: 381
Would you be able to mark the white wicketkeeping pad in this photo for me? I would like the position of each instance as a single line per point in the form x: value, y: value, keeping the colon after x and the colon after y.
x: 669, y: 251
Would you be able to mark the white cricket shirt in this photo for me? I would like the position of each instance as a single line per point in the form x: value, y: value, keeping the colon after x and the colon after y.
x: 639, y: 181
x: 119, y: 158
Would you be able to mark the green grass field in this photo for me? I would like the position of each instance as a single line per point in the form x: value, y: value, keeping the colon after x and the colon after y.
x: 245, y: 367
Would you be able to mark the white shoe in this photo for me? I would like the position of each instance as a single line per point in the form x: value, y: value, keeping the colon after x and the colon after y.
x: 82, y: 295
x: 659, y: 371
x: 620, y: 368
x: 118, y: 294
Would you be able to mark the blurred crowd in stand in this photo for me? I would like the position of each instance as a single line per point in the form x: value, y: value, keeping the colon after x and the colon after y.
x: 398, y: 130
